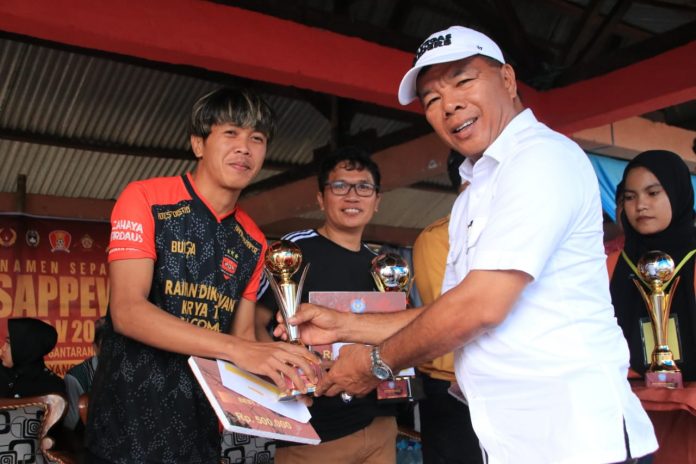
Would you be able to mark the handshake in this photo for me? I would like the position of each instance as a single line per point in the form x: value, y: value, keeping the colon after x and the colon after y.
x: 356, y: 371
x: 359, y: 368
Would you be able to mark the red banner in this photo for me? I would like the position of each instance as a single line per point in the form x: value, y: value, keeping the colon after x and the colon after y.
x: 55, y: 270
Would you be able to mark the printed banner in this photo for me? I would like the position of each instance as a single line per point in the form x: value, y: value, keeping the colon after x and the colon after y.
x: 55, y: 270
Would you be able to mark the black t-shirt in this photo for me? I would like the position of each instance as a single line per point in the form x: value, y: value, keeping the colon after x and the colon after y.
x: 333, y: 268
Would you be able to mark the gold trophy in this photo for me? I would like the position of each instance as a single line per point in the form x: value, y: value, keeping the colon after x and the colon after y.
x: 283, y: 259
x: 391, y: 273
x: 656, y: 269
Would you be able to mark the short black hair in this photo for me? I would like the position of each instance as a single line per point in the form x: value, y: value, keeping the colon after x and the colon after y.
x: 241, y: 107
x: 354, y: 158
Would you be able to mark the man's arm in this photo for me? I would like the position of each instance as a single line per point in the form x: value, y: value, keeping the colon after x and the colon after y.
x: 320, y: 326
x: 244, y: 326
x: 262, y: 317
x: 479, y: 303
x: 135, y: 317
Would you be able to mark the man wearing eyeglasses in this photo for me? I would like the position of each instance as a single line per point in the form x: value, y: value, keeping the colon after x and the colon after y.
x: 360, y: 430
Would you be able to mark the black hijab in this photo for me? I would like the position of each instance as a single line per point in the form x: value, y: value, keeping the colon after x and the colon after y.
x: 677, y: 240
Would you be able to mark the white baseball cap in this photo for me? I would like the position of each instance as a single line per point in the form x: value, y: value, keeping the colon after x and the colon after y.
x: 455, y: 43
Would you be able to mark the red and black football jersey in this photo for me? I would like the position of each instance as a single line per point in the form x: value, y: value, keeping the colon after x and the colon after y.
x: 145, y: 404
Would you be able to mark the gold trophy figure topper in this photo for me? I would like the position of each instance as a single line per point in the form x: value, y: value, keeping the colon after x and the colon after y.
x: 283, y: 259
x: 656, y: 269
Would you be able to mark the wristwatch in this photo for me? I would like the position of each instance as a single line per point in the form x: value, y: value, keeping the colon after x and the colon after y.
x: 379, y: 367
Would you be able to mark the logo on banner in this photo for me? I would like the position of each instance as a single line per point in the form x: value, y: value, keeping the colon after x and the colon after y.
x: 87, y: 242
x: 60, y: 240
x: 228, y: 267
x: 32, y: 237
x: 8, y: 237
x: 357, y: 306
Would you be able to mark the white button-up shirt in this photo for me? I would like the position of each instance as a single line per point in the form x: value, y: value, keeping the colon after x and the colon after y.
x: 548, y: 385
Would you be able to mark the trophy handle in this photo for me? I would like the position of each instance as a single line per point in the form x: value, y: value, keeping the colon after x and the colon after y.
x: 276, y: 291
x: 378, y: 282
x: 668, y: 303
x: 645, y: 296
x: 672, y: 289
x: 300, y: 285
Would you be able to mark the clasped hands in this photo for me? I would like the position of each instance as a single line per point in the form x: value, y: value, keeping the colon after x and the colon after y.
x: 351, y: 373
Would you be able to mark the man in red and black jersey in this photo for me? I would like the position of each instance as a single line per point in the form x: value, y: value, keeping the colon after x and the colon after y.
x: 184, y: 268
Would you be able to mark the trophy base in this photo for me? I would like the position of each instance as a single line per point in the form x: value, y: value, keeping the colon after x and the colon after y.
x: 396, y: 389
x: 292, y: 392
x: 664, y: 379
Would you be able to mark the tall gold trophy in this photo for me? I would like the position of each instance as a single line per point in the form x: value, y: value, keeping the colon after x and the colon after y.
x: 283, y: 259
x: 656, y: 269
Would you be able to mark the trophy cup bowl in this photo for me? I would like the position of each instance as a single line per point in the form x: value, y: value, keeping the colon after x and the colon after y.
x: 283, y: 258
x: 656, y: 268
x: 390, y: 272
x: 656, y: 265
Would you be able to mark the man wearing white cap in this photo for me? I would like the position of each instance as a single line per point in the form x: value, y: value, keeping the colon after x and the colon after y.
x: 525, y: 302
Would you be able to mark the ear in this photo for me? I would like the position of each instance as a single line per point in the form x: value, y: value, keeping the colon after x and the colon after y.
x: 320, y: 200
x: 197, y: 143
x: 509, y: 80
x: 377, y: 200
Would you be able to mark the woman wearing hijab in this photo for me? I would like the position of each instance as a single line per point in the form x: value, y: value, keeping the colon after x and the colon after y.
x: 23, y: 372
x: 658, y: 214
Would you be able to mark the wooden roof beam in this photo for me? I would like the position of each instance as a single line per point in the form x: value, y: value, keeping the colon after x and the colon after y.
x: 608, y: 27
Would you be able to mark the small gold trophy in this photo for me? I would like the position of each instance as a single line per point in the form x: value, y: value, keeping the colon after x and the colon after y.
x: 656, y: 269
x: 283, y: 259
x: 391, y: 273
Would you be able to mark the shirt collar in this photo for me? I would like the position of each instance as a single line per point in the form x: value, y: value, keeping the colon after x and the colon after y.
x: 501, y: 146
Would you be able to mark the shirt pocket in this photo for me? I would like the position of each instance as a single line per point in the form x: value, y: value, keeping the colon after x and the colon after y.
x: 474, y: 231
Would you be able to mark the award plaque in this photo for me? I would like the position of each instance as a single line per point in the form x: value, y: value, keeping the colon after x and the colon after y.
x: 283, y: 259
x: 656, y: 270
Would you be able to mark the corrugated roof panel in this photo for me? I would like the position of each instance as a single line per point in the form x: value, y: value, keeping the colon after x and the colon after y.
x: 659, y: 19
x: 91, y: 99
x: 96, y: 100
x: 384, y: 126
x: 301, y: 130
x: 546, y: 23
x: 86, y: 174
x: 78, y: 173
x: 375, y: 13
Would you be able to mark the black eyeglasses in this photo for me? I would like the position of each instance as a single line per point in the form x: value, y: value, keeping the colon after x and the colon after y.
x: 362, y: 189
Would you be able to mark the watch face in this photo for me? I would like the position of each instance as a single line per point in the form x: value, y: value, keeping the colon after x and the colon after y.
x: 380, y: 372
